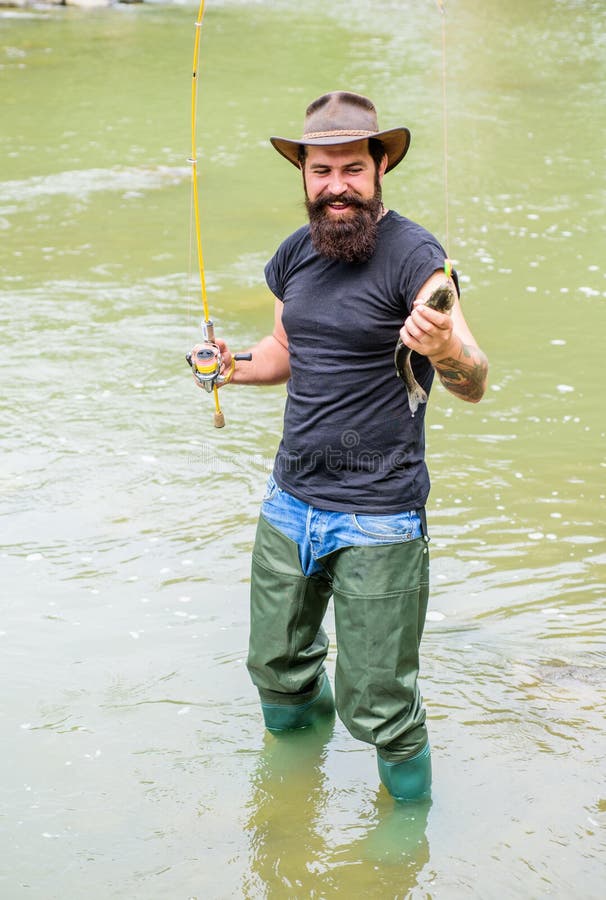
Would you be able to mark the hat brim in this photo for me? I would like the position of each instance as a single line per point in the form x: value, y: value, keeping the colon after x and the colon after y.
x: 396, y: 142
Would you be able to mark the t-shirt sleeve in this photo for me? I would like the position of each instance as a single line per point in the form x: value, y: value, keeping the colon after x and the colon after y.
x: 272, y: 277
x: 425, y: 259
x: 279, y: 268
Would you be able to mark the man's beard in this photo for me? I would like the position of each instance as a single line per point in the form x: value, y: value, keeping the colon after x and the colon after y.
x: 352, y: 238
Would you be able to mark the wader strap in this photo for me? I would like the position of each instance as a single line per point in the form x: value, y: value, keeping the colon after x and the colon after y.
x: 423, y: 517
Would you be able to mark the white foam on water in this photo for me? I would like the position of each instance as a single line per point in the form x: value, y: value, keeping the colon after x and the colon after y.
x: 435, y: 616
x: 131, y: 181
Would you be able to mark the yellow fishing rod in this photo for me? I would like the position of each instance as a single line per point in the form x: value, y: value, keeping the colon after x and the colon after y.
x: 206, y: 364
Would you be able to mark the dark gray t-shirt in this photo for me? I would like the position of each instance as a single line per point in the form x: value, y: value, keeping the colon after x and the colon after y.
x: 350, y: 443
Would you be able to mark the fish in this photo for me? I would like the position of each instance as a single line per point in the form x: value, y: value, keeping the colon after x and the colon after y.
x: 442, y: 300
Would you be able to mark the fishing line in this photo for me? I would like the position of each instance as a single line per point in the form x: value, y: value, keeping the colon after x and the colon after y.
x: 193, y: 160
x: 442, y: 9
x: 190, y: 255
x: 194, y: 218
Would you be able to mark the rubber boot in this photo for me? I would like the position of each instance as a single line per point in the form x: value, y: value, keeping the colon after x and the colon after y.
x: 409, y: 779
x: 286, y: 717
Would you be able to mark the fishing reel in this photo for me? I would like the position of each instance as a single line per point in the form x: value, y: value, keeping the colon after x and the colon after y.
x: 206, y: 366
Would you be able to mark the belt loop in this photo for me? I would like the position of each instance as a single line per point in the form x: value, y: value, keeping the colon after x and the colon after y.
x: 423, y: 518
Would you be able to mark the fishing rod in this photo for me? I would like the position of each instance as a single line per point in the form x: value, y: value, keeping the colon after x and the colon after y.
x: 207, y: 362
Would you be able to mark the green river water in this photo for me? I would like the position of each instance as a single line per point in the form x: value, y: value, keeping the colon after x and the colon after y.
x: 134, y: 761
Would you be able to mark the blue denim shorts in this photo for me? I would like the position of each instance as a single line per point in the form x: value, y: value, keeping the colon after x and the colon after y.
x: 319, y: 532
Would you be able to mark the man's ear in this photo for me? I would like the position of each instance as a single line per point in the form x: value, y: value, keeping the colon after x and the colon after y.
x: 383, y: 166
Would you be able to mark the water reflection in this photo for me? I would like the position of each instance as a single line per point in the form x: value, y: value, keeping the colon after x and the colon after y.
x: 289, y: 793
x: 291, y: 827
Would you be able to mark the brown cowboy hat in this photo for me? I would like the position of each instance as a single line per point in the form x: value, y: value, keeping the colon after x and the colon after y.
x: 341, y: 118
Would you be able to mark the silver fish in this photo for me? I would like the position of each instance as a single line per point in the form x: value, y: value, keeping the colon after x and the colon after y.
x: 442, y: 300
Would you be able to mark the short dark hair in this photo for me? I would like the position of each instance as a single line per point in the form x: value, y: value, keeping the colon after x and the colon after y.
x: 375, y: 148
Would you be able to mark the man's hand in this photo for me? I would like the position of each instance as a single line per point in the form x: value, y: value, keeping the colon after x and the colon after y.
x: 429, y: 332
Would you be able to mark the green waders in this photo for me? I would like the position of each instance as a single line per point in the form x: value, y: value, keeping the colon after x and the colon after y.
x: 380, y: 599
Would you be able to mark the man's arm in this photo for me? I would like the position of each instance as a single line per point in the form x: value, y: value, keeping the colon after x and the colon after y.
x: 448, y: 343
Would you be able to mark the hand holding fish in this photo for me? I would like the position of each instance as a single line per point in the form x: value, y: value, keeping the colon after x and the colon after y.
x: 428, y: 331
x: 437, y: 329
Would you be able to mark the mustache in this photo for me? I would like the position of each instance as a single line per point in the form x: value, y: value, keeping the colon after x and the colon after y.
x: 325, y: 200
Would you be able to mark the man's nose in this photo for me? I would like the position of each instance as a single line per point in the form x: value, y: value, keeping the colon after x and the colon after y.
x: 337, y: 184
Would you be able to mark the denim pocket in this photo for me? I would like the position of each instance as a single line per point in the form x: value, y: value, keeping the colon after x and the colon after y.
x: 271, y: 489
x: 394, y: 528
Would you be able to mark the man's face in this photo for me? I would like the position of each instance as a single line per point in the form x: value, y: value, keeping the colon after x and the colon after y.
x: 341, y: 171
x: 343, y: 199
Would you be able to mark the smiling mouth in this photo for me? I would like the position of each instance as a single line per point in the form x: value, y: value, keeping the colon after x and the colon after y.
x: 339, y: 206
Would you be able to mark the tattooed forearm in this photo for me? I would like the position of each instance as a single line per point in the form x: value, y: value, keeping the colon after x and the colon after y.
x: 465, y: 375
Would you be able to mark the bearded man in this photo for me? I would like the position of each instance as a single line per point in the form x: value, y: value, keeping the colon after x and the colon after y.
x: 344, y: 509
